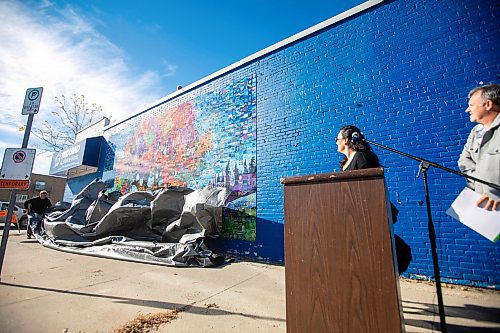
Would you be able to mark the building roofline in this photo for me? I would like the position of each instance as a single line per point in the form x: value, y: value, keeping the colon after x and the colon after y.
x: 270, y: 49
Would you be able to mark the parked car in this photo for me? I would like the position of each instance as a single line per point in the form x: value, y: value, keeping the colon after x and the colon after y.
x: 18, y: 214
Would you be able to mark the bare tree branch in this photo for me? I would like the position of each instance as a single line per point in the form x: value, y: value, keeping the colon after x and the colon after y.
x: 73, y: 115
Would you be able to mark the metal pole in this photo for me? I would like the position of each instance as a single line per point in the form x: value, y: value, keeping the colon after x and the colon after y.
x: 6, y: 229
x: 27, y: 131
x: 424, y: 166
x: 432, y: 238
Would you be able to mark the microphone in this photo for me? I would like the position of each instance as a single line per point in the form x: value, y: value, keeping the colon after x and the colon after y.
x: 356, y: 137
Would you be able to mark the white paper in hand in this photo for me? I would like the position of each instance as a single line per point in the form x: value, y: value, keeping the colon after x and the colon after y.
x: 464, y: 209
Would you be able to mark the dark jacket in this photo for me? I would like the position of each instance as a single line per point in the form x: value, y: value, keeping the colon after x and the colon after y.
x: 38, y: 205
x: 363, y: 160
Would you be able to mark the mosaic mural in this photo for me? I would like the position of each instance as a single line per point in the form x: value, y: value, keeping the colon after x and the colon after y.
x: 209, y: 140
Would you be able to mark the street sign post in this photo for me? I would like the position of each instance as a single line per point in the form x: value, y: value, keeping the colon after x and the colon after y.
x: 30, y: 107
x: 32, y: 101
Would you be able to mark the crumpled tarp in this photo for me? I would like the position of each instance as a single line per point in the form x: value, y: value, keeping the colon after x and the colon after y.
x: 165, y: 227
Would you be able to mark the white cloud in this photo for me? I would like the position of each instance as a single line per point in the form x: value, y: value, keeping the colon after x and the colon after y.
x: 169, y: 69
x: 55, y: 48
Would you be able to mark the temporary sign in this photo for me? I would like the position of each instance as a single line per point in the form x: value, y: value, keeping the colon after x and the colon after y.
x: 32, y: 101
x: 16, y: 167
x: 14, y: 184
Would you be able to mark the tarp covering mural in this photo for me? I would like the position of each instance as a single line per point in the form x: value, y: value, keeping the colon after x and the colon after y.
x: 203, y: 139
x: 166, y: 227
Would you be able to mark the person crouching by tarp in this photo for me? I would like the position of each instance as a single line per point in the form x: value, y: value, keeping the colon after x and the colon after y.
x: 36, y: 207
x: 359, y: 155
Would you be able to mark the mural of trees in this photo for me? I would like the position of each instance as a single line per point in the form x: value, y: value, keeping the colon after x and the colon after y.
x: 208, y: 140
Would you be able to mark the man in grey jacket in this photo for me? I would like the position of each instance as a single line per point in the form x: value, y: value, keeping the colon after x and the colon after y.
x: 480, y: 157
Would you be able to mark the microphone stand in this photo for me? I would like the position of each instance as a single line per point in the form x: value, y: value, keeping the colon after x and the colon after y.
x: 423, y: 167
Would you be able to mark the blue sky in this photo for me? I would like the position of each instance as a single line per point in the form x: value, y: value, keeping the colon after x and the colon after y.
x: 184, y: 41
x: 124, y: 55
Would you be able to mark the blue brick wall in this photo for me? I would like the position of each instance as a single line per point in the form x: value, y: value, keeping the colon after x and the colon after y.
x: 401, y: 72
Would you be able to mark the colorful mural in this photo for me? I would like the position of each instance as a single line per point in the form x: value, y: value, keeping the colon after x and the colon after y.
x: 209, y: 140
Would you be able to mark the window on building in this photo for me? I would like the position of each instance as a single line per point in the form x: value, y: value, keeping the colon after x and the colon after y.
x: 39, y: 185
x: 21, y: 197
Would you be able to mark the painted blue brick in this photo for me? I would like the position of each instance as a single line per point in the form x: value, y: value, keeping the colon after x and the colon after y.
x: 411, y: 98
x: 475, y: 277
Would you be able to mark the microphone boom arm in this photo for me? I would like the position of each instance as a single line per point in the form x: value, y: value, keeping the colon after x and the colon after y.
x: 424, y: 166
x: 429, y: 163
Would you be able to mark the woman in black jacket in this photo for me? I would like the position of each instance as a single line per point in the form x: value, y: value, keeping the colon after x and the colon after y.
x: 358, y: 154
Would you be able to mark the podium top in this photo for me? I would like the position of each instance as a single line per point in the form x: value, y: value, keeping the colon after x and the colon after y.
x: 334, y: 176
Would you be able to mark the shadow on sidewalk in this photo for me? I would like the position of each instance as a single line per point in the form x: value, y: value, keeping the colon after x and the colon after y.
x: 191, y: 308
x: 468, y: 311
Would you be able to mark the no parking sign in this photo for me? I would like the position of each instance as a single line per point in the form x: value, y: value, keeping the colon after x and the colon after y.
x: 16, y: 168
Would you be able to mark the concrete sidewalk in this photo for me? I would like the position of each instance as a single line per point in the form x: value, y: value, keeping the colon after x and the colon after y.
x: 44, y: 290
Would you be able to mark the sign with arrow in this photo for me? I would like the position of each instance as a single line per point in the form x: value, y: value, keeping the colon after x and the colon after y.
x: 32, y: 101
x: 16, y: 168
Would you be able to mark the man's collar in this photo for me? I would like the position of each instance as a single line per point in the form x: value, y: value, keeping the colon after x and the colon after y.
x: 496, y: 122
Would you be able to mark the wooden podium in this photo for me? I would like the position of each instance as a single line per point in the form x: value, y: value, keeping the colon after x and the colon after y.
x: 339, y: 254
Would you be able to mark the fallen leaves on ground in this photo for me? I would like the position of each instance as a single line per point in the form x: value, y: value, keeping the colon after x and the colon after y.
x: 212, y: 305
x: 144, y: 323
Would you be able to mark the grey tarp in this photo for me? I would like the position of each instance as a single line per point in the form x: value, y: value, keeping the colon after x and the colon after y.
x: 164, y: 227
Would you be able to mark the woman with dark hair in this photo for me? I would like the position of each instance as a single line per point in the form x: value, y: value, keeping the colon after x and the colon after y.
x: 359, y: 154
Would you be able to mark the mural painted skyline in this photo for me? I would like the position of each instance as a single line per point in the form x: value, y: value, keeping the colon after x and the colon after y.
x: 209, y: 140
